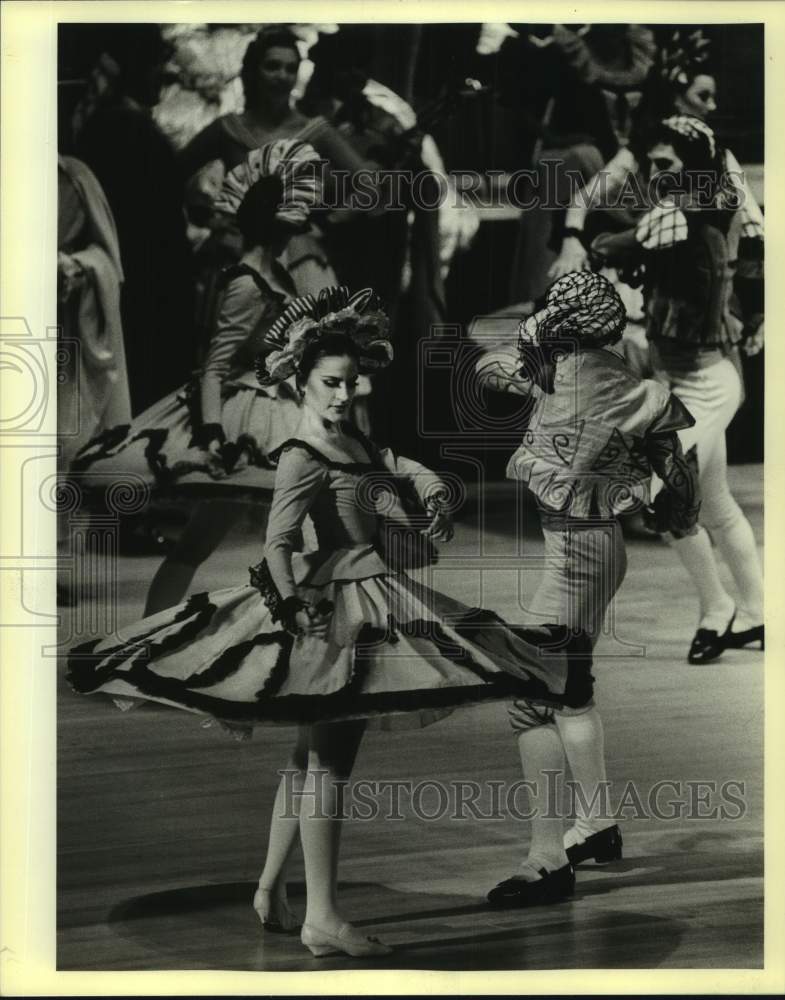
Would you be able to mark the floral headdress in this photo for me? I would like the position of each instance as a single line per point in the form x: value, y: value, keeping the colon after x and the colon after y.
x: 580, y: 306
x: 297, y: 165
x: 308, y: 318
x: 683, y: 56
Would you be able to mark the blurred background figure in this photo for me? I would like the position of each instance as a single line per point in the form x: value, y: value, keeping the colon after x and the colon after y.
x: 371, y: 96
x: 114, y: 133
x: 588, y: 82
x: 92, y: 391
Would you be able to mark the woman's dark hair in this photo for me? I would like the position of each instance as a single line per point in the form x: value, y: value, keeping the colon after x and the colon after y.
x: 694, y: 152
x: 256, y: 216
x: 266, y: 39
x: 341, y: 69
x: 333, y: 343
x: 659, y: 101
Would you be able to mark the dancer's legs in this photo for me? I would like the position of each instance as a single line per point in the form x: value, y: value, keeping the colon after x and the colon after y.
x: 207, y: 527
x: 584, y: 568
x: 732, y: 534
x: 332, y: 751
x: 712, y: 396
x: 271, y: 897
x: 542, y: 762
x: 597, y: 564
x: 583, y: 738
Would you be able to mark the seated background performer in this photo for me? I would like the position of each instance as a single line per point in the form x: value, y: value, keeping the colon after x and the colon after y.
x: 596, y: 434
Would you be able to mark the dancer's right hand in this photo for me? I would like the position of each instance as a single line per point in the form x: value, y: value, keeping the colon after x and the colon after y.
x: 312, y: 622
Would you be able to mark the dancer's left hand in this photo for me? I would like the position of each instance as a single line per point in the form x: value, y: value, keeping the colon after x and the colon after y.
x: 753, y: 344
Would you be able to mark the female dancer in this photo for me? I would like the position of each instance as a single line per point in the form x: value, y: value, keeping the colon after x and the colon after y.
x: 689, y: 247
x: 269, y: 73
x: 212, y: 438
x: 335, y: 636
x: 594, y: 437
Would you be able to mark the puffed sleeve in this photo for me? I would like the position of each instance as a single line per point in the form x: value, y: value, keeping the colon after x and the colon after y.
x: 298, y: 481
x: 500, y: 370
x: 636, y: 406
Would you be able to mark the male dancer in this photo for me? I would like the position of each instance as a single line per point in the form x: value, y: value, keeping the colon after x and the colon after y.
x: 596, y: 434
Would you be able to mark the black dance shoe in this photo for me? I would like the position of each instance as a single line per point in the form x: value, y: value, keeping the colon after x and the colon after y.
x: 553, y: 887
x: 604, y: 846
x: 708, y: 644
x: 737, y: 640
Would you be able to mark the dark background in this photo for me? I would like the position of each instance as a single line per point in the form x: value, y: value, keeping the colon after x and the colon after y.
x: 489, y: 134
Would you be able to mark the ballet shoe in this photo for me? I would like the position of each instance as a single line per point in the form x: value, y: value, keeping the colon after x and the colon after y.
x: 708, y: 644
x: 603, y: 847
x: 552, y: 887
x: 347, y: 942
x: 282, y: 922
x: 737, y: 640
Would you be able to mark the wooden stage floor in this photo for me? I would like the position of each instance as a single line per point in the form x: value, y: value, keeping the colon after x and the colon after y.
x: 162, y: 824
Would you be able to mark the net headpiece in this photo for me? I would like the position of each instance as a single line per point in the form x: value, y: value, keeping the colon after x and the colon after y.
x: 580, y: 307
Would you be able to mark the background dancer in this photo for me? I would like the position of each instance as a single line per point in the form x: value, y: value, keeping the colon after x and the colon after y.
x: 692, y: 244
x: 211, y: 438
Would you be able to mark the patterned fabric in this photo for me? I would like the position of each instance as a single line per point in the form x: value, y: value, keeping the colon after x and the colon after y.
x: 582, y: 306
x: 392, y: 645
x: 584, y: 453
x: 661, y: 227
x: 294, y: 162
x: 693, y: 129
x: 160, y: 447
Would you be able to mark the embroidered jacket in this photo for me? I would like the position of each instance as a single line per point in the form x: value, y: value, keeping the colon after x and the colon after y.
x: 584, y: 452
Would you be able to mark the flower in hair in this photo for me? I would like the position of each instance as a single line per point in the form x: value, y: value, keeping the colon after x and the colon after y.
x: 306, y: 319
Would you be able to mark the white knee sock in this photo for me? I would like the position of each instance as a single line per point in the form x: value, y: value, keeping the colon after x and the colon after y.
x: 541, y: 751
x: 736, y: 542
x: 697, y: 557
x: 584, y: 744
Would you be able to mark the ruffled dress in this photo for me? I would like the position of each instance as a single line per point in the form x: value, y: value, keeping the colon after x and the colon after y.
x: 393, y: 645
x: 160, y: 449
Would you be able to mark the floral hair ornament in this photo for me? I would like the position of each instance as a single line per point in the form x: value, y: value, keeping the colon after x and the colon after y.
x: 581, y: 306
x: 683, y: 56
x: 308, y: 318
x: 295, y: 162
